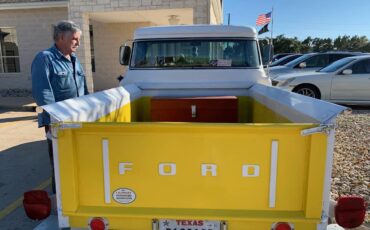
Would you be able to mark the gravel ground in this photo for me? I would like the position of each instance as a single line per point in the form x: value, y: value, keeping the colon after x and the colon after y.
x: 351, y: 168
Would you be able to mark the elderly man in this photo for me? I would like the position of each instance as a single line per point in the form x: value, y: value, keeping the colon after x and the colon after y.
x: 57, y: 74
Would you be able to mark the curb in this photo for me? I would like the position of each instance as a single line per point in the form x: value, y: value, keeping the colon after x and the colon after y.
x: 15, y: 103
x: 25, y: 108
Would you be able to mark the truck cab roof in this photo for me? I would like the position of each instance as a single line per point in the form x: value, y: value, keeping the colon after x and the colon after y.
x: 191, y: 31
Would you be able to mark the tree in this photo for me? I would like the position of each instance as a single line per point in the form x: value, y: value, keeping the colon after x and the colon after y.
x: 283, y: 44
x: 322, y: 44
x: 342, y: 43
x: 307, y: 45
x: 357, y: 43
x: 366, y: 48
x: 286, y: 45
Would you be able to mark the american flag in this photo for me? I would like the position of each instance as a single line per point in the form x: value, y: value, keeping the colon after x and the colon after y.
x: 263, y: 19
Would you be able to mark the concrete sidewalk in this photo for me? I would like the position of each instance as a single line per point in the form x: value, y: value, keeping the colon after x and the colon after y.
x: 18, y: 103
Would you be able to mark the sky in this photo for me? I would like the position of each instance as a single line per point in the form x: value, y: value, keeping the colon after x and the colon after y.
x: 303, y: 18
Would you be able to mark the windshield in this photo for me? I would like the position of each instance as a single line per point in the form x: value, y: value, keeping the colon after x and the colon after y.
x: 336, y: 65
x: 204, y: 53
x: 285, y: 60
x: 298, y: 60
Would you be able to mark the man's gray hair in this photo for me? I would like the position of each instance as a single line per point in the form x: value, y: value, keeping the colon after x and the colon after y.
x: 63, y: 27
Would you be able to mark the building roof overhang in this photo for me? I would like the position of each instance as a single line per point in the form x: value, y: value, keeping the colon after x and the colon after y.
x: 157, y: 17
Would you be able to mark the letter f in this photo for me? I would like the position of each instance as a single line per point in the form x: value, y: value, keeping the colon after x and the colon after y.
x: 125, y: 166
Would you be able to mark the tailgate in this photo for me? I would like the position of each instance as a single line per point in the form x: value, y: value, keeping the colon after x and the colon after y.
x: 196, y: 170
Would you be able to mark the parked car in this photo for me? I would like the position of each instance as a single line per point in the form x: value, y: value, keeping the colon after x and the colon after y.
x: 309, y: 62
x: 345, y: 81
x: 279, y: 56
x: 285, y: 60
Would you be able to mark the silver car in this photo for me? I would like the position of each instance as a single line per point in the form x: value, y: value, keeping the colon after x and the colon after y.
x: 345, y: 81
x: 309, y: 62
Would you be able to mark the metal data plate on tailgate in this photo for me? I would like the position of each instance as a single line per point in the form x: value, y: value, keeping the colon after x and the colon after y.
x: 189, y: 225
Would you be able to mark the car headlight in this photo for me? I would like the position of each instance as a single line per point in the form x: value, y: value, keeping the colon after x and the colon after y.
x: 286, y: 82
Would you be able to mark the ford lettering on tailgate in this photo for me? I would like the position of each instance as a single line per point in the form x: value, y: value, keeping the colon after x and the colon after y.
x: 170, y: 169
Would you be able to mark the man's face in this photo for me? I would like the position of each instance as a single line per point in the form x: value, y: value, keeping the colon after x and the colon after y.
x: 69, y: 42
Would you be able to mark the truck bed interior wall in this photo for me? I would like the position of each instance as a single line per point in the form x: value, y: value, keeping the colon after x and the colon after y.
x: 249, y: 110
x: 258, y: 104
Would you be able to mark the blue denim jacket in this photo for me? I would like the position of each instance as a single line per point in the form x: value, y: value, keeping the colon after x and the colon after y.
x: 54, y: 79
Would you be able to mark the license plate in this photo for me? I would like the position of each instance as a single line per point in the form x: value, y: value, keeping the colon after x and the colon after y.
x: 189, y: 225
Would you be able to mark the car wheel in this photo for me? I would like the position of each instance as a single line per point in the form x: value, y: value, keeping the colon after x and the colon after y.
x: 308, y: 90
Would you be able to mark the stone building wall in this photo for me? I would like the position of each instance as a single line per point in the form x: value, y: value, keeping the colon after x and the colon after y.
x: 34, y: 33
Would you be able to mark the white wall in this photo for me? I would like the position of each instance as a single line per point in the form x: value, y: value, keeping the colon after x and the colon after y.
x: 108, y: 37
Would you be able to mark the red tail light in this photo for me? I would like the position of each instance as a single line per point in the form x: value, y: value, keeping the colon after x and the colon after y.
x: 98, y: 223
x: 350, y: 211
x: 37, y: 204
x: 282, y: 226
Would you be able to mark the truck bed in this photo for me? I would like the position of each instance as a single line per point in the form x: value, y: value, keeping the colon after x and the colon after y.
x: 133, y: 171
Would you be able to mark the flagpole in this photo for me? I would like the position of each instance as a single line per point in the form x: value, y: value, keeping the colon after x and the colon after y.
x: 272, y: 22
x: 272, y: 29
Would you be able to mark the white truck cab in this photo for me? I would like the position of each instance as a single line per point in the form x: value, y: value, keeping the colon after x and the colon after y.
x: 216, y: 56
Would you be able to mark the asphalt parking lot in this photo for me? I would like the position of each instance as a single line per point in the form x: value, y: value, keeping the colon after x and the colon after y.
x: 24, y: 165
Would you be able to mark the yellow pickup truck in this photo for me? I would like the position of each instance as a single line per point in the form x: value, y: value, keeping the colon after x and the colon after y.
x: 193, y: 139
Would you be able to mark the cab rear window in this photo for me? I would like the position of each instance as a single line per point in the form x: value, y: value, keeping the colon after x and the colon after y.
x: 195, y: 54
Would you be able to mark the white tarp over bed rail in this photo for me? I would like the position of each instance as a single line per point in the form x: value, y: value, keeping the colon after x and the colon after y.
x: 295, y: 107
x: 90, y: 108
